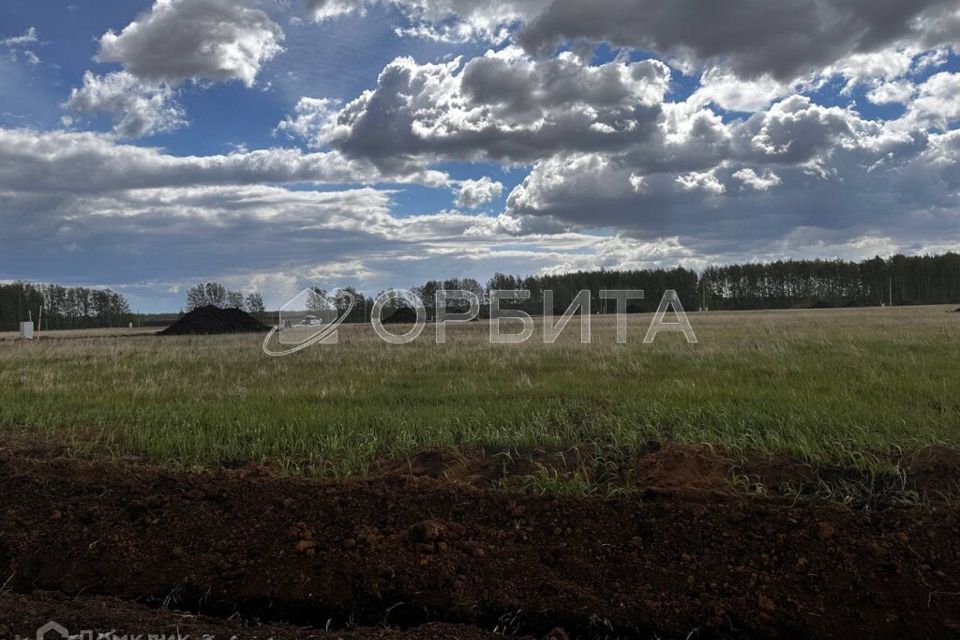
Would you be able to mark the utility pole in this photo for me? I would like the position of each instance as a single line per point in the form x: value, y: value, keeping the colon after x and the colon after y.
x: 890, y: 296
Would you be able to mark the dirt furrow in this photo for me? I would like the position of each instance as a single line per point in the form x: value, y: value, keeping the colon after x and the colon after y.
x: 407, y: 551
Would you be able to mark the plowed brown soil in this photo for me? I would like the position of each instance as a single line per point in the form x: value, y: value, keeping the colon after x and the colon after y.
x: 387, y: 556
x: 23, y: 614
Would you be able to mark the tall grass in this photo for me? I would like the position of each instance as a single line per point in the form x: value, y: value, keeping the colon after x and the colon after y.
x: 827, y: 385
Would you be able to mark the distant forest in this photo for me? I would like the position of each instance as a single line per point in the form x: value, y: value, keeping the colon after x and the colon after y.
x: 900, y: 280
x: 785, y: 284
x: 63, y: 307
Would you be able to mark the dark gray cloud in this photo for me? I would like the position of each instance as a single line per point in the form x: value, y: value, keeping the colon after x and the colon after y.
x: 846, y: 180
x: 608, y: 150
x: 501, y: 106
x: 510, y: 108
x: 784, y: 39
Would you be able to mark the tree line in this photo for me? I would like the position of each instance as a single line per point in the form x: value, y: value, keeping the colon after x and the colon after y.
x: 784, y: 284
x: 565, y: 288
x: 61, y: 307
x: 899, y: 280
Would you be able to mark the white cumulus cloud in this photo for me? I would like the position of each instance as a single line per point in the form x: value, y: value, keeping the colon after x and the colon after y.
x: 137, y: 108
x: 751, y: 178
x: 503, y: 106
x: 215, y: 40
x: 473, y: 193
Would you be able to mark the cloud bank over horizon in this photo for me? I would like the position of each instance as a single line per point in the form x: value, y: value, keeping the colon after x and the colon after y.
x: 214, y: 139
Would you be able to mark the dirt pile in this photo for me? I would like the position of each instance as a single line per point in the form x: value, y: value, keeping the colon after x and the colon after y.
x: 403, y: 315
x: 680, y: 466
x: 403, y: 552
x: 211, y: 320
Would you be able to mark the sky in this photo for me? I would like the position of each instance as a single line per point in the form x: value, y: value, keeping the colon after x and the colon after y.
x: 272, y: 145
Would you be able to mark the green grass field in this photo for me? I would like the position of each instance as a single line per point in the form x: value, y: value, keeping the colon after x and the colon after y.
x: 827, y: 385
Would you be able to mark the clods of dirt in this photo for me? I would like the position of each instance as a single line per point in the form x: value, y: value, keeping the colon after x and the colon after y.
x: 210, y: 320
x: 402, y: 552
x: 104, y: 617
x: 474, y: 467
x: 683, y: 466
x: 934, y: 469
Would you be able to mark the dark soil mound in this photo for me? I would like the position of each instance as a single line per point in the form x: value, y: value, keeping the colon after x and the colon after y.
x: 211, y: 320
x: 957, y: 310
x: 403, y: 315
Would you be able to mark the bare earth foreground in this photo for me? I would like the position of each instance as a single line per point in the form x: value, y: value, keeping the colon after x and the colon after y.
x: 140, y: 550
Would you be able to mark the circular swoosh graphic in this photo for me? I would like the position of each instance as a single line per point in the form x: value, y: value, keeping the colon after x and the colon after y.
x: 322, y: 334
